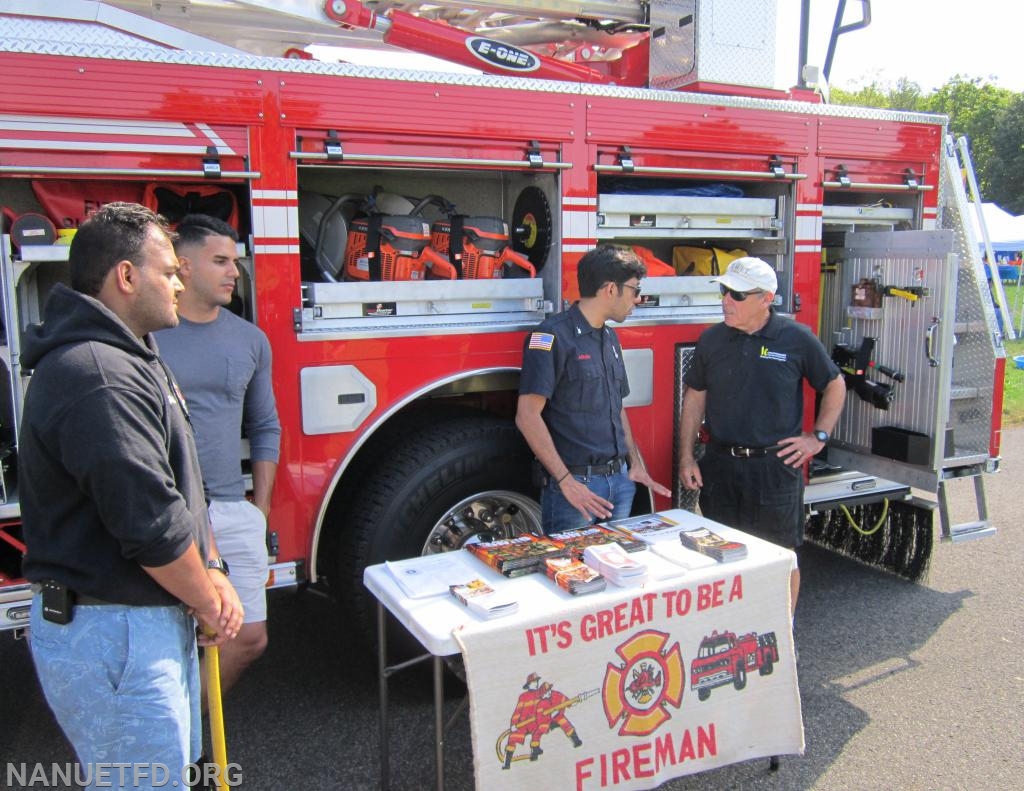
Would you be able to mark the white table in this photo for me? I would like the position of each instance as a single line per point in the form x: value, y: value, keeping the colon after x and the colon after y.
x: 432, y: 621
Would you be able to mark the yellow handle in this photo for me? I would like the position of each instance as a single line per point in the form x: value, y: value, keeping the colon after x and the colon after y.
x: 213, y: 701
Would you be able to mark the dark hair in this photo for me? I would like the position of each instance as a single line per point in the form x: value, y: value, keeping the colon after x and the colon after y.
x: 607, y: 264
x: 195, y: 228
x: 117, y: 232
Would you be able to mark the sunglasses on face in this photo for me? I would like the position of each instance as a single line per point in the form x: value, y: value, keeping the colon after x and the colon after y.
x: 636, y: 289
x: 738, y: 296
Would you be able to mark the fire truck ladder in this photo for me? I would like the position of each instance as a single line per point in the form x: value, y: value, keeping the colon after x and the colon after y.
x: 971, y: 312
x: 271, y: 27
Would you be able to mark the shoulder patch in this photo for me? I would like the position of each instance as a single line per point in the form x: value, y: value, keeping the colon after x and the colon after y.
x: 542, y: 341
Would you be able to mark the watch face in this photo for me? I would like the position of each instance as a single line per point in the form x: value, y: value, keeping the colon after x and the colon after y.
x: 821, y: 436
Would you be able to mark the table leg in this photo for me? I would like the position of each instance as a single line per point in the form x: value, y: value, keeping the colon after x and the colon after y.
x: 439, y: 720
x: 382, y: 686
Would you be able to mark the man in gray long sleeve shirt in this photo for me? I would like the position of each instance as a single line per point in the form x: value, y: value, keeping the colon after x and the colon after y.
x: 223, y: 365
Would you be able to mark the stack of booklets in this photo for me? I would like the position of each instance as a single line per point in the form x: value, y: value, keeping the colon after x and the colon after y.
x: 574, y: 576
x: 517, y: 556
x: 646, y: 527
x: 483, y: 600
x: 615, y: 564
x: 578, y: 540
x: 709, y: 543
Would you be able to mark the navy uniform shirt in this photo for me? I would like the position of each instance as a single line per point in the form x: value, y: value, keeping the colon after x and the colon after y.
x: 580, y: 371
x: 754, y: 382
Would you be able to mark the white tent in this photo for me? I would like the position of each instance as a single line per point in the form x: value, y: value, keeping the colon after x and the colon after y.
x: 1005, y: 232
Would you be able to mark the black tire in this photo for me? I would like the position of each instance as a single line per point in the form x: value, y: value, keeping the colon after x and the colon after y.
x: 398, y: 511
x: 766, y: 667
x: 703, y: 693
x: 740, y: 679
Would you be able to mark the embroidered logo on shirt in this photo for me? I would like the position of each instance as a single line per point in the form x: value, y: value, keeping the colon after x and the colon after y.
x: 583, y: 357
x: 542, y: 341
x: 768, y: 355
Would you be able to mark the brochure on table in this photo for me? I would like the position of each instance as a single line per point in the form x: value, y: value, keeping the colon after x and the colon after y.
x: 614, y: 670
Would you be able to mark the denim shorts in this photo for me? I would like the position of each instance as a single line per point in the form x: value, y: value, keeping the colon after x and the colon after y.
x: 123, y: 683
x: 558, y: 515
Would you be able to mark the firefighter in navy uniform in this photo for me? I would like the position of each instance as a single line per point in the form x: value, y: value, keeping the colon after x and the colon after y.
x: 570, y: 399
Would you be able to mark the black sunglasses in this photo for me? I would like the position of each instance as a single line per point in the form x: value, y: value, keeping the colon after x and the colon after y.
x: 636, y: 289
x: 738, y: 296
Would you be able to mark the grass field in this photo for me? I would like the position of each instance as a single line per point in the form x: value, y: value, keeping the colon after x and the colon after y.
x: 1013, y: 394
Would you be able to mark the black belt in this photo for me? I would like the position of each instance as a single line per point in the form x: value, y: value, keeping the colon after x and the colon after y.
x: 80, y: 599
x: 746, y: 452
x: 612, y: 467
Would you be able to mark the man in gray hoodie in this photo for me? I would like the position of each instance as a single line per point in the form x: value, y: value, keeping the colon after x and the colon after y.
x: 118, y: 543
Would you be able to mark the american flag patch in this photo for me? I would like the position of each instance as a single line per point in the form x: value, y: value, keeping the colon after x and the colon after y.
x: 542, y: 341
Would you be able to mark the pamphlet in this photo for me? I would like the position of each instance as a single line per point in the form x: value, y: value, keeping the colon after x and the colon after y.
x: 615, y: 564
x: 516, y: 556
x: 483, y: 600
x: 578, y: 540
x: 574, y: 576
x: 646, y: 527
x: 707, y: 542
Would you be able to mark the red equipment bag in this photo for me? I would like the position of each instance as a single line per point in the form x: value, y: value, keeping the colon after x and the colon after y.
x: 69, y: 203
x: 174, y: 201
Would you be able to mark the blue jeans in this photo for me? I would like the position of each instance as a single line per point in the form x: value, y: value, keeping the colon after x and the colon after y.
x: 123, y: 683
x: 558, y: 515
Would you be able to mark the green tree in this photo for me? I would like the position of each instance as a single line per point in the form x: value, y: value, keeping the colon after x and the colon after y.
x: 972, y: 106
x: 1005, y: 167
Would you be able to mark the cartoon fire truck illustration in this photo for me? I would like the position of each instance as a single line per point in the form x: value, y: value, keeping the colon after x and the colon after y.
x: 724, y: 658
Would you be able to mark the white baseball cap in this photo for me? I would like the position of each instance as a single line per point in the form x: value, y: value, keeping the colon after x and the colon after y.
x: 749, y: 274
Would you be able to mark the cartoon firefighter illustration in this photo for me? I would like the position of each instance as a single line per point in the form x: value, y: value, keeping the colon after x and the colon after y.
x: 539, y: 709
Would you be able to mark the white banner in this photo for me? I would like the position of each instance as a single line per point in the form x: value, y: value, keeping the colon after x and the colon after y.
x: 629, y: 690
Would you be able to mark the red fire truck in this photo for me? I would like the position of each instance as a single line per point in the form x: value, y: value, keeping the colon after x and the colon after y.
x: 723, y: 658
x: 653, y: 125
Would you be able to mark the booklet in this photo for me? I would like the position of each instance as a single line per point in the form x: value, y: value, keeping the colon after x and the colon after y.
x: 707, y: 542
x: 578, y: 540
x: 483, y: 600
x: 574, y: 576
x: 646, y: 527
x: 516, y: 556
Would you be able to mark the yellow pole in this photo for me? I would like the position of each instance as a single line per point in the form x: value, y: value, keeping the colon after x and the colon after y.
x: 213, y: 702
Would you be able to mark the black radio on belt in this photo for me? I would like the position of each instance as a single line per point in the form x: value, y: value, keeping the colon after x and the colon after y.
x: 58, y: 602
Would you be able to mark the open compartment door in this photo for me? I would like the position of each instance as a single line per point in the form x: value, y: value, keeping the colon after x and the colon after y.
x: 891, y: 307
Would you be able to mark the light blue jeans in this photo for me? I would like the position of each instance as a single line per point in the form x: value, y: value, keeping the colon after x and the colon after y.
x: 558, y: 515
x: 123, y: 683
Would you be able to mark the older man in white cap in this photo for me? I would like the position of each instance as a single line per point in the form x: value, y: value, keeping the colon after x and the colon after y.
x: 746, y: 384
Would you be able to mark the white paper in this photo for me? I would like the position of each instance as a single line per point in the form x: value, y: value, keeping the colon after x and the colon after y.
x: 431, y: 575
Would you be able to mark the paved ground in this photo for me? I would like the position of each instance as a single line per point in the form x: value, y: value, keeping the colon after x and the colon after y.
x: 905, y: 687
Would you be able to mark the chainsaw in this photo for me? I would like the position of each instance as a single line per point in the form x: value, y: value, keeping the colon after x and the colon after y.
x: 479, y: 248
x: 393, y: 247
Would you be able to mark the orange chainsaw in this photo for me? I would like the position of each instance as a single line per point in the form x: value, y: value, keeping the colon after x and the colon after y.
x: 479, y: 248
x: 393, y: 247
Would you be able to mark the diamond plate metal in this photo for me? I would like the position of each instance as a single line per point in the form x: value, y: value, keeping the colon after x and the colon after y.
x: 681, y: 496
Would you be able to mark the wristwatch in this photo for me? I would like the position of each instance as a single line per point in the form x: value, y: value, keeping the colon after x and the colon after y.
x: 821, y: 436
x: 220, y: 564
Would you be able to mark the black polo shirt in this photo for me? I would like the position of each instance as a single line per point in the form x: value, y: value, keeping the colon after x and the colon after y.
x: 754, y: 382
x: 580, y: 371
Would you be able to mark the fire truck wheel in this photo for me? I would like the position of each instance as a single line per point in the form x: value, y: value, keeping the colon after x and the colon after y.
x: 766, y: 668
x: 740, y: 679
x: 445, y: 483
x: 703, y: 693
